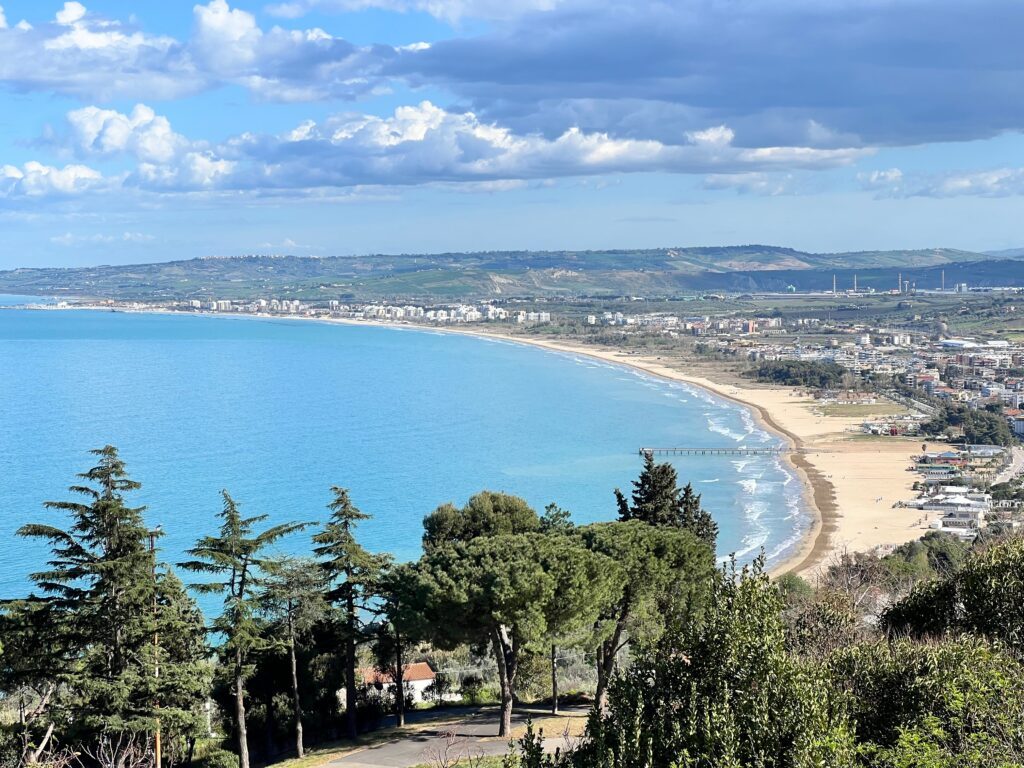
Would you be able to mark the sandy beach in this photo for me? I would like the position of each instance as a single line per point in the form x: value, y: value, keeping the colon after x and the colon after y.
x: 850, y: 481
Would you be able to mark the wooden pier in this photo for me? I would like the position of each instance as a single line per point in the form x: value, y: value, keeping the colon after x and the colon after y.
x: 771, y: 451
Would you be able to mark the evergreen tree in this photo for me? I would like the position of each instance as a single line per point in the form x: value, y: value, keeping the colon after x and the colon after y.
x: 185, y: 671
x: 657, y: 500
x: 237, y: 557
x: 99, y: 590
x: 400, y: 628
x: 294, y: 602
x: 351, y: 574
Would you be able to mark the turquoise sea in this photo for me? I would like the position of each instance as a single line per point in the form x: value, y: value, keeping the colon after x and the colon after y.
x: 276, y: 411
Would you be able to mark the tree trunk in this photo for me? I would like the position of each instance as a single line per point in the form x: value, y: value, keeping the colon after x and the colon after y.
x: 296, y: 701
x: 506, y: 652
x: 243, y: 742
x: 399, y: 681
x: 351, y: 724
x: 606, y: 657
x: 554, y: 681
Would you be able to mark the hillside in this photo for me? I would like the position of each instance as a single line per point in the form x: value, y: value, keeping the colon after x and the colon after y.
x: 650, y: 272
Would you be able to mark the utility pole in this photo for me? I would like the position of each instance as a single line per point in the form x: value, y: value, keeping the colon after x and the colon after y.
x: 156, y: 638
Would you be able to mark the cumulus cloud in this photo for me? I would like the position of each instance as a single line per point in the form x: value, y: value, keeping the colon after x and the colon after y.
x: 418, y: 144
x: 3, y: 18
x: 87, y: 56
x: 34, y: 180
x: 142, y: 133
x: 70, y: 13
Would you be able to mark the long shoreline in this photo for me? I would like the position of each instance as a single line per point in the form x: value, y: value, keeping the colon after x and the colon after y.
x: 818, y: 491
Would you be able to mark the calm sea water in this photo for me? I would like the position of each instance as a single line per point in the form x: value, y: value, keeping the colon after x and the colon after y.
x: 276, y: 411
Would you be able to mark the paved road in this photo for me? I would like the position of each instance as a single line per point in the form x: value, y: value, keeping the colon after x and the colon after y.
x: 475, y: 735
x: 1016, y: 467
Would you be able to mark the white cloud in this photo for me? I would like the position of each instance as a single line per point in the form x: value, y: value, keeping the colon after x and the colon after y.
x: 418, y: 144
x: 70, y: 13
x: 143, y: 133
x: 3, y: 19
x: 992, y: 182
x: 34, y: 179
x: 85, y: 55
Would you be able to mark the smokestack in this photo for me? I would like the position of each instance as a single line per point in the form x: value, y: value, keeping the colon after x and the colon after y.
x: 943, y: 280
x: 833, y: 284
x: 854, y: 282
x: 899, y: 282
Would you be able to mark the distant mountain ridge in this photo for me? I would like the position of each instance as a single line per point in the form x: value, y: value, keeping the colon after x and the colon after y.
x: 646, y: 272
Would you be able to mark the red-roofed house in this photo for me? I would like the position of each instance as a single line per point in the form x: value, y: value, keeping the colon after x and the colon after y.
x: 416, y: 678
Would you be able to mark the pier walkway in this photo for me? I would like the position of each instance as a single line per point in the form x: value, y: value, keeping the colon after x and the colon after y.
x: 769, y: 451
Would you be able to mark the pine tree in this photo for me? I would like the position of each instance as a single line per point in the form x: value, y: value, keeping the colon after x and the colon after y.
x: 293, y: 600
x: 351, y: 573
x: 401, y: 626
x: 694, y: 518
x: 237, y: 557
x: 185, y: 671
x: 99, y: 590
x: 657, y: 500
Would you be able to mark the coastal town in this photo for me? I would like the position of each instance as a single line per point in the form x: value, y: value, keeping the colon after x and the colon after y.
x: 893, y: 379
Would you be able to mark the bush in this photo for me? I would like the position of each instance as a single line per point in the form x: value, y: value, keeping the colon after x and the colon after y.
x: 472, y: 689
x: 958, y: 702
x: 439, y: 689
x: 218, y: 758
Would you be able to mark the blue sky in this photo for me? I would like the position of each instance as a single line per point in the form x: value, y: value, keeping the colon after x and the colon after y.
x: 149, y: 131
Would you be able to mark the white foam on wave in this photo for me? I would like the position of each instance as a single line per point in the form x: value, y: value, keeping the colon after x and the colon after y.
x: 719, y: 428
x: 749, y: 485
x: 713, y: 480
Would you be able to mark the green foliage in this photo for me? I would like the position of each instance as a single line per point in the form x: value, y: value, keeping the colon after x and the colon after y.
x: 722, y: 691
x: 657, y: 500
x: 218, y: 758
x: 956, y: 703
x: 937, y: 553
x: 979, y: 427
x: 486, y: 514
x: 985, y: 597
x: 821, y: 625
x: 794, y: 589
x: 817, y: 374
x: 86, y: 651
x: 237, y: 559
x: 352, y: 574
x: 509, y: 592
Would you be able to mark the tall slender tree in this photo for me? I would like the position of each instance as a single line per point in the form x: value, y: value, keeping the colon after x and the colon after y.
x: 293, y: 600
x: 237, y: 556
x: 351, y: 573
